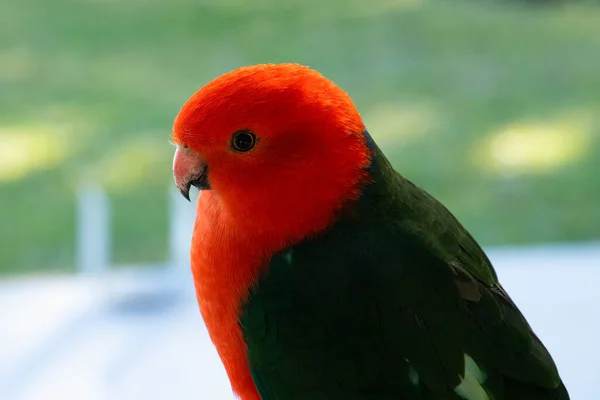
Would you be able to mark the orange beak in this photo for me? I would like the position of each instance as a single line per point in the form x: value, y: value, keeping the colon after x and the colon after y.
x: 189, y: 169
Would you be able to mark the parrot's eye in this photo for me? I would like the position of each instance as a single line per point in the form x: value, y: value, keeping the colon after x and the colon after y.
x: 243, y: 140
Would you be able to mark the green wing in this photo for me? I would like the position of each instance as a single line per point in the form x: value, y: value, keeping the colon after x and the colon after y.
x: 464, y: 315
x: 395, y: 301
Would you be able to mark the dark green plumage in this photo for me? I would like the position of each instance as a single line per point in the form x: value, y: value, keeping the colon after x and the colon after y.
x: 385, y: 304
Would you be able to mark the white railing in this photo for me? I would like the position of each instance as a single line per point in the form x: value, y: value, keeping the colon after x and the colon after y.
x: 93, y: 247
x: 93, y: 230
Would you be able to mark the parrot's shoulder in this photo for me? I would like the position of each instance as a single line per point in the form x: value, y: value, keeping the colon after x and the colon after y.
x: 417, y: 217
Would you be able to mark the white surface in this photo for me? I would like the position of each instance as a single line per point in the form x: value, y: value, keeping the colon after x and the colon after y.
x: 141, y: 337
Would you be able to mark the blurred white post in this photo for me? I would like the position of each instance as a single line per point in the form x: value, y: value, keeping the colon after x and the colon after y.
x: 180, y: 230
x: 93, y: 229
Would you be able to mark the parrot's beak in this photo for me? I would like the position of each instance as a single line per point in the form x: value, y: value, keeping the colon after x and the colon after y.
x: 189, y: 169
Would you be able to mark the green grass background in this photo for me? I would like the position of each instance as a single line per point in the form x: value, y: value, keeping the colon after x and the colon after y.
x: 493, y: 109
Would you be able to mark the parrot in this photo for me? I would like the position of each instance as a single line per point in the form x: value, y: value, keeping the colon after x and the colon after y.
x: 322, y: 273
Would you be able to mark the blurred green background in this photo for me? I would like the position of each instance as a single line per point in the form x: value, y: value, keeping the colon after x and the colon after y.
x: 493, y: 108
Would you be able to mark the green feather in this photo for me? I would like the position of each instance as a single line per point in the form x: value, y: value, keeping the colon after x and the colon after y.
x: 394, y: 301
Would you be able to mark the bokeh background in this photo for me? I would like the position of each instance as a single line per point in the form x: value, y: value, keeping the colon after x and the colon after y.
x: 491, y: 106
